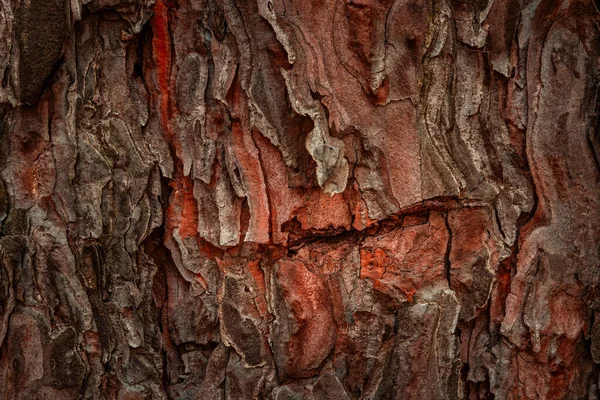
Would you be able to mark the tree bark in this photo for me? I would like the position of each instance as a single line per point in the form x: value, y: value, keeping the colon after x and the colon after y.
x: 285, y: 199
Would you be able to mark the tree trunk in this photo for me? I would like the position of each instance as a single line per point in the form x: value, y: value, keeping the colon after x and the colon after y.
x: 286, y: 199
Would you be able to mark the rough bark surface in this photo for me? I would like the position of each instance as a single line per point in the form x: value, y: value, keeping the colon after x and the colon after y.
x: 299, y: 199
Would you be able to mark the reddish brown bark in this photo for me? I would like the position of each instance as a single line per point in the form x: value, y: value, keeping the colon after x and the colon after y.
x: 292, y: 199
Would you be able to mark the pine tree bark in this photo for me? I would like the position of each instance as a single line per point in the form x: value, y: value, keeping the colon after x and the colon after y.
x: 285, y: 199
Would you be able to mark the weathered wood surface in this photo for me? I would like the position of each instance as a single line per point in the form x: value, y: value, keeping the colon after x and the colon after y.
x: 286, y: 199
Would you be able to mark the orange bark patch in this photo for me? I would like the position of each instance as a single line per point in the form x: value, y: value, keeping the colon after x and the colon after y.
x: 373, y: 263
x: 307, y: 296
x: 246, y: 155
x: 322, y: 211
x: 182, y: 211
x: 161, y: 44
x: 259, y: 279
x: 385, y: 274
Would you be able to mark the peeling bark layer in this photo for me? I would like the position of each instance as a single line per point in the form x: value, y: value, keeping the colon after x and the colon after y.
x: 288, y: 199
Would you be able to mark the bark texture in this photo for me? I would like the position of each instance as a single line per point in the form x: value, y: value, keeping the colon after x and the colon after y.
x: 299, y: 199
